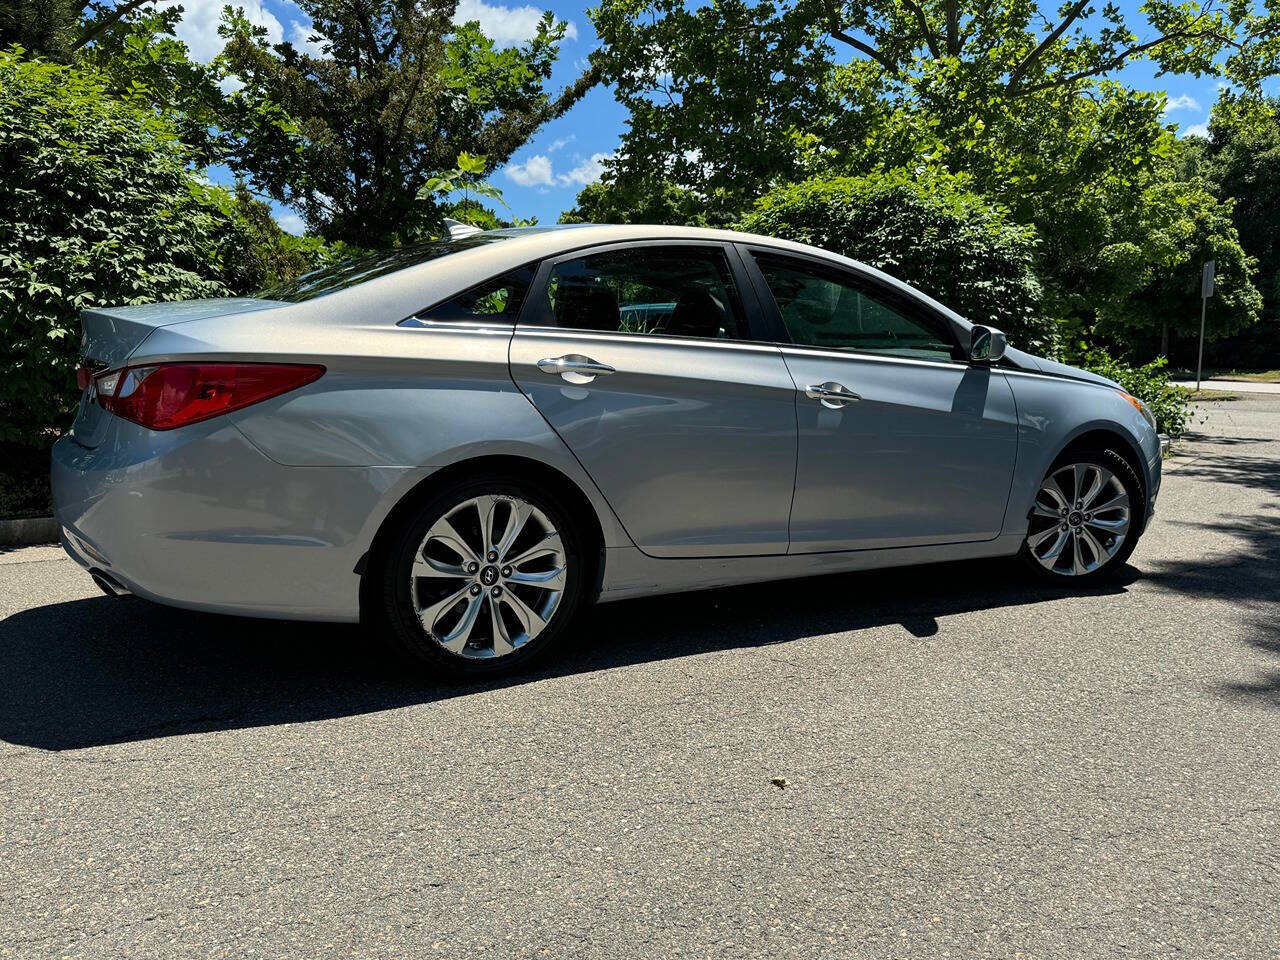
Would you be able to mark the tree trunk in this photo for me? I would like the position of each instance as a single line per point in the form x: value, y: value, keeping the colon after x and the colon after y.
x: 1164, y: 338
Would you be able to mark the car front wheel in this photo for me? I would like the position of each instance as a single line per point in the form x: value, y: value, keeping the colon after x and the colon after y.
x: 485, y: 578
x: 1086, y: 518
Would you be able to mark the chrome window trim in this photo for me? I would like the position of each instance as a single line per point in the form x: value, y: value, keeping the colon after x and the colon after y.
x: 809, y: 351
x: 603, y: 336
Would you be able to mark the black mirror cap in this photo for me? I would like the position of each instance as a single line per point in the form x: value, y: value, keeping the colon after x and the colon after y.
x: 987, y: 344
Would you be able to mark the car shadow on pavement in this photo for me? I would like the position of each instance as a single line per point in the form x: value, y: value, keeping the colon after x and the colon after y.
x: 91, y: 672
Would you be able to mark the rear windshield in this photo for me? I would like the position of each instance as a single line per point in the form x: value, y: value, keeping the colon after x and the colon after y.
x: 348, y: 273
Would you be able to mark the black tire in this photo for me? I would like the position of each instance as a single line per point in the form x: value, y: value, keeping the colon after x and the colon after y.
x: 1120, y: 468
x: 398, y: 588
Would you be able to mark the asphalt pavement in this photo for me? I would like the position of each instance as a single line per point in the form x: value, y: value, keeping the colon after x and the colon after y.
x: 973, y: 766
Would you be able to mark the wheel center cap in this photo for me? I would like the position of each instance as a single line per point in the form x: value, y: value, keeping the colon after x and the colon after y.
x: 489, y: 575
x: 1076, y: 518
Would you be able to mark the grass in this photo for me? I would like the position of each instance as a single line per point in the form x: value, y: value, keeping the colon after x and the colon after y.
x: 1209, y: 394
x: 1253, y: 376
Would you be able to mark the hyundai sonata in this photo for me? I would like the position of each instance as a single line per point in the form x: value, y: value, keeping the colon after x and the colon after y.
x: 467, y: 441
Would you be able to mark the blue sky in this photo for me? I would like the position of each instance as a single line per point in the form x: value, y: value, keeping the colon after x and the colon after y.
x: 544, y: 177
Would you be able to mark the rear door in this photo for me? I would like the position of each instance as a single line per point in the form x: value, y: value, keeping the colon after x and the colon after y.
x: 901, y: 442
x: 648, y: 360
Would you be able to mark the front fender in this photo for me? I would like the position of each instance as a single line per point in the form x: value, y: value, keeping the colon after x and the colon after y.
x: 1052, y: 413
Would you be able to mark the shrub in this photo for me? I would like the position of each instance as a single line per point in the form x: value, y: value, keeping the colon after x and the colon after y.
x: 101, y: 208
x: 1149, y: 383
x: 930, y: 231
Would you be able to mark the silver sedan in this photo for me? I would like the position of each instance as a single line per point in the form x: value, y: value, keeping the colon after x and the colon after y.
x: 467, y: 441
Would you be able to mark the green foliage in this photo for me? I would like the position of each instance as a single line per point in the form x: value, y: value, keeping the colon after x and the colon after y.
x: 607, y: 201
x: 101, y: 209
x: 46, y: 28
x: 747, y: 95
x: 257, y: 253
x: 1149, y: 383
x: 352, y: 139
x: 1152, y: 269
x: 930, y: 231
x: 467, y: 178
x: 1243, y: 162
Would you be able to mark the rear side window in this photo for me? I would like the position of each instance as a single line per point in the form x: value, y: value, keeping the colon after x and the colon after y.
x: 840, y: 311
x: 679, y: 291
x: 349, y: 273
x: 496, y: 299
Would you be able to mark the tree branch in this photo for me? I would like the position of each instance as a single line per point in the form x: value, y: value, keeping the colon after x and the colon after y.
x: 1029, y: 60
x: 953, y: 28
x: 930, y: 38
x: 103, y: 23
x: 869, y: 50
x: 1116, y: 61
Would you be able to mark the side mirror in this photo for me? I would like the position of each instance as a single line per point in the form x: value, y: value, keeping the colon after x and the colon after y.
x: 986, y: 344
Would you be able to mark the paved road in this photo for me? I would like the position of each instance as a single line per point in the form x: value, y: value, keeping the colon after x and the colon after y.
x: 974, y: 768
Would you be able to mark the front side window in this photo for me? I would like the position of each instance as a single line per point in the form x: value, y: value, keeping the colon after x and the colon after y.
x: 670, y: 291
x: 838, y: 311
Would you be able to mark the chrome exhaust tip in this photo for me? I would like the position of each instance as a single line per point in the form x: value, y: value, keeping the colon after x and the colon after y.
x: 109, y: 585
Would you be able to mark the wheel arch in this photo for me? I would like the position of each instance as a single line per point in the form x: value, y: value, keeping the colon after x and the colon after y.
x: 1110, y: 438
x: 513, y: 466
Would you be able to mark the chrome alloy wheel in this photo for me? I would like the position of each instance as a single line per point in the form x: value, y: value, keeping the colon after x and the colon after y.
x: 488, y: 576
x: 1080, y: 519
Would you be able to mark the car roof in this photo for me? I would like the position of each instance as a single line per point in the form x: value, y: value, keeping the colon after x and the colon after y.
x: 407, y: 291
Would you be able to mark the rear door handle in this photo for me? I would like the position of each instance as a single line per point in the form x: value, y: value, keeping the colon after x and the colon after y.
x: 831, y: 394
x: 575, y: 368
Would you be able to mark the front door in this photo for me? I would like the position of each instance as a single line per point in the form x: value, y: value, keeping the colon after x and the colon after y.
x: 643, y: 358
x: 901, y: 443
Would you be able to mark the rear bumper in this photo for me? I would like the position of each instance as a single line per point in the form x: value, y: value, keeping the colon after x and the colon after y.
x: 200, y: 518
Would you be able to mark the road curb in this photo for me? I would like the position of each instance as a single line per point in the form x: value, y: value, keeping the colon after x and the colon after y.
x: 28, y: 532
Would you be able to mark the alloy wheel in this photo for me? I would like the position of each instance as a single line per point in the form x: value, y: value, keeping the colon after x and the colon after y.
x: 488, y: 576
x: 1080, y: 519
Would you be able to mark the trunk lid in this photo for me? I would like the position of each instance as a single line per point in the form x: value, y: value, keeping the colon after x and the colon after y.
x: 112, y: 334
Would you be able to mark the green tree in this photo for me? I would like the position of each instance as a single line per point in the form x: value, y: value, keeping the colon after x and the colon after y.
x: 102, y: 208
x: 1152, y: 270
x: 930, y: 231
x: 350, y: 139
x: 1244, y: 163
x: 729, y: 98
x: 604, y: 202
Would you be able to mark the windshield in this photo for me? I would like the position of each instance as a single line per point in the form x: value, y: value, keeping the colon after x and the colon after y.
x: 348, y: 273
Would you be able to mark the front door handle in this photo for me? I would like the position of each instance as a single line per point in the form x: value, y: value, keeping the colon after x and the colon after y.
x: 574, y: 368
x: 831, y: 394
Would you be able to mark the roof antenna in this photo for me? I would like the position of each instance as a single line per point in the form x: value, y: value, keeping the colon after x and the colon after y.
x: 457, y: 229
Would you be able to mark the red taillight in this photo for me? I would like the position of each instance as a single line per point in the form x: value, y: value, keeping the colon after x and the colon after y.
x: 84, y: 377
x: 167, y: 395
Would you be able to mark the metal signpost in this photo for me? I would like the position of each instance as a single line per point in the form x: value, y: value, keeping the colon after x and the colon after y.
x: 1206, y: 291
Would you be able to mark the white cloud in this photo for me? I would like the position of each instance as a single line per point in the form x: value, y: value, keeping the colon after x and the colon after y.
x: 506, y: 26
x: 198, y: 28
x: 588, y: 171
x: 536, y: 171
x: 561, y: 142
x: 1181, y: 102
x: 301, y: 38
x: 291, y: 223
x: 1196, y: 130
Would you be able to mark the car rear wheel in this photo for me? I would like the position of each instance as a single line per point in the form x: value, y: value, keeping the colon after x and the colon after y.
x: 1086, y: 518
x: 485, y: 578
